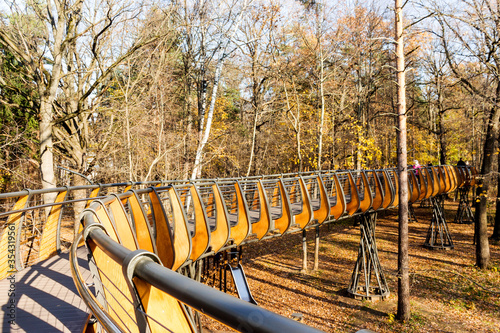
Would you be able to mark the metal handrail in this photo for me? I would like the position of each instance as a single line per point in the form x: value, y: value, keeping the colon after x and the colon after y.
x: 229, y: 310
x: 109, y: 324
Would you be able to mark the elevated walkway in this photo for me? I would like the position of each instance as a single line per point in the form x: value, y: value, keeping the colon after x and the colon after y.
x: 45, y: 297
x: 142, y: 235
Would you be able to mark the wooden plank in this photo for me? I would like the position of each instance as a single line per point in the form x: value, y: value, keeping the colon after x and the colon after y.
x: 353, y: 204
x: 395, y: 184
x: 306, y: 215
x: 201, y: 237
x: 435, y: 181
x: 388, y: 190
x: 122, y: 223
x: 9, y: 236
x: 422, y: 184
x: 339, y: 208
x: 181, y: 236
x: 142, y: 229
x: 263, y: 225
x: 323, y: 212
x: 48, y: 243
x: 164, y: 312
x: 283, y: 223
x: 116, y: 291
x: 242, y: 229
x: 378, y: 199
x: 366, y: 203
x: 413, y: 187
x: 220, y: 235
x: 164, y: 244
x: 430, y: 182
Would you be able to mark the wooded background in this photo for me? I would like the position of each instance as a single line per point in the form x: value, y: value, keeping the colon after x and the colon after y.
x: 134, y: 90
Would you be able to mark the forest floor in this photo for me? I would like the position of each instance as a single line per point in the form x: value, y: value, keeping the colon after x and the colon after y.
x: 443, y: 296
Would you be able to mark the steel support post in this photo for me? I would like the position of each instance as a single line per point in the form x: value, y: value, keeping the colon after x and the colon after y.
x: 464, y: 212
x: 368, y: 280
x: 438, y: 235
x: 411, y: 214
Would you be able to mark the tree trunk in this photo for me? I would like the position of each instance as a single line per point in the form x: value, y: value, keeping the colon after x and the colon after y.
x: 322, y: 117
x: 484, y: 183
x: 205, y: 132
x: 252, y: 149
x: 403, y: 263
x: 46, y: 149
x: 496, y: 229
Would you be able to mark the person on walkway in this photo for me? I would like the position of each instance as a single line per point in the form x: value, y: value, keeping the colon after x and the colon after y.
x: 416, y: 167
x: 461, y: 163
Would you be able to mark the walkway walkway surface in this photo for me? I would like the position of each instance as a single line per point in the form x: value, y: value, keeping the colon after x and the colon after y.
x: 45, y: 297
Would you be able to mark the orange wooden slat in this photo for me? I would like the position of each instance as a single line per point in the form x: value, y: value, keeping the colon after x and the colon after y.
x: 283, y: 223
x: 353, y: 204
x: 339, y: 208
x: 242, y: 229
x: 201, y: 237
x: 164, y: 243
x: 48, y: 243
x: 8, y: 237
x: 323, y: 212
x: 220, y: 235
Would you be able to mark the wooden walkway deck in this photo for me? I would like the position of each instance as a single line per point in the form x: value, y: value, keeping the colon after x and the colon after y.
x: 45, y: 297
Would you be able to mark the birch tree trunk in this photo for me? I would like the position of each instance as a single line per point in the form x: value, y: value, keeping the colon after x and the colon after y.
x: 403, y: 264
x: 198, y: 162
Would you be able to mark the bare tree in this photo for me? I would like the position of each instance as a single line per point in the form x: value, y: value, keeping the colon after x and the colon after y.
x: 468, y: 34
x: 67, y: 47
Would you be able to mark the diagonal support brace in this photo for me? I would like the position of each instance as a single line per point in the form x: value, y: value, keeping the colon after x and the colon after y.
x: 438, y: 235
x: 464, y: 212
x: 368, y: 280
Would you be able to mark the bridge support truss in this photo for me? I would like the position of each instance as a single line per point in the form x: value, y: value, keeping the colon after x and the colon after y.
x: 438, y: 235
x: 368, y: 280
x: 464, y: 212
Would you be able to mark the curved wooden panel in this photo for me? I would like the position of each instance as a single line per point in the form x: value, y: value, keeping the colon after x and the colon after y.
x: 447, y: 179
x: 116, y: 289
x: 283, y: 223
x: 181, y: 236
x: 395, y: 184
x: 367, y: 201
x: 442, y: 180
x: 117, y: 293
x: 453, y: 178
x: 10, y: 229
x: 413, y: 186
x: 49, y: 241
x: 220, y: 235
x: 430, y: 182
x: 242, y: 229
x: 353, y: 204
x: 164, y: 244
x: 339, y: 208
x: 422, y: 184
x: 142, y: 229
x: 306, y: 215
x: 95, y: 192
x: 262, y: 227
x: 435, y: 182
x: 201, y: 236
x: 122, y: 224
x: 169, y: 315
x: 388, y: 190
x: 378, y: 198
x: 323, y: 212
